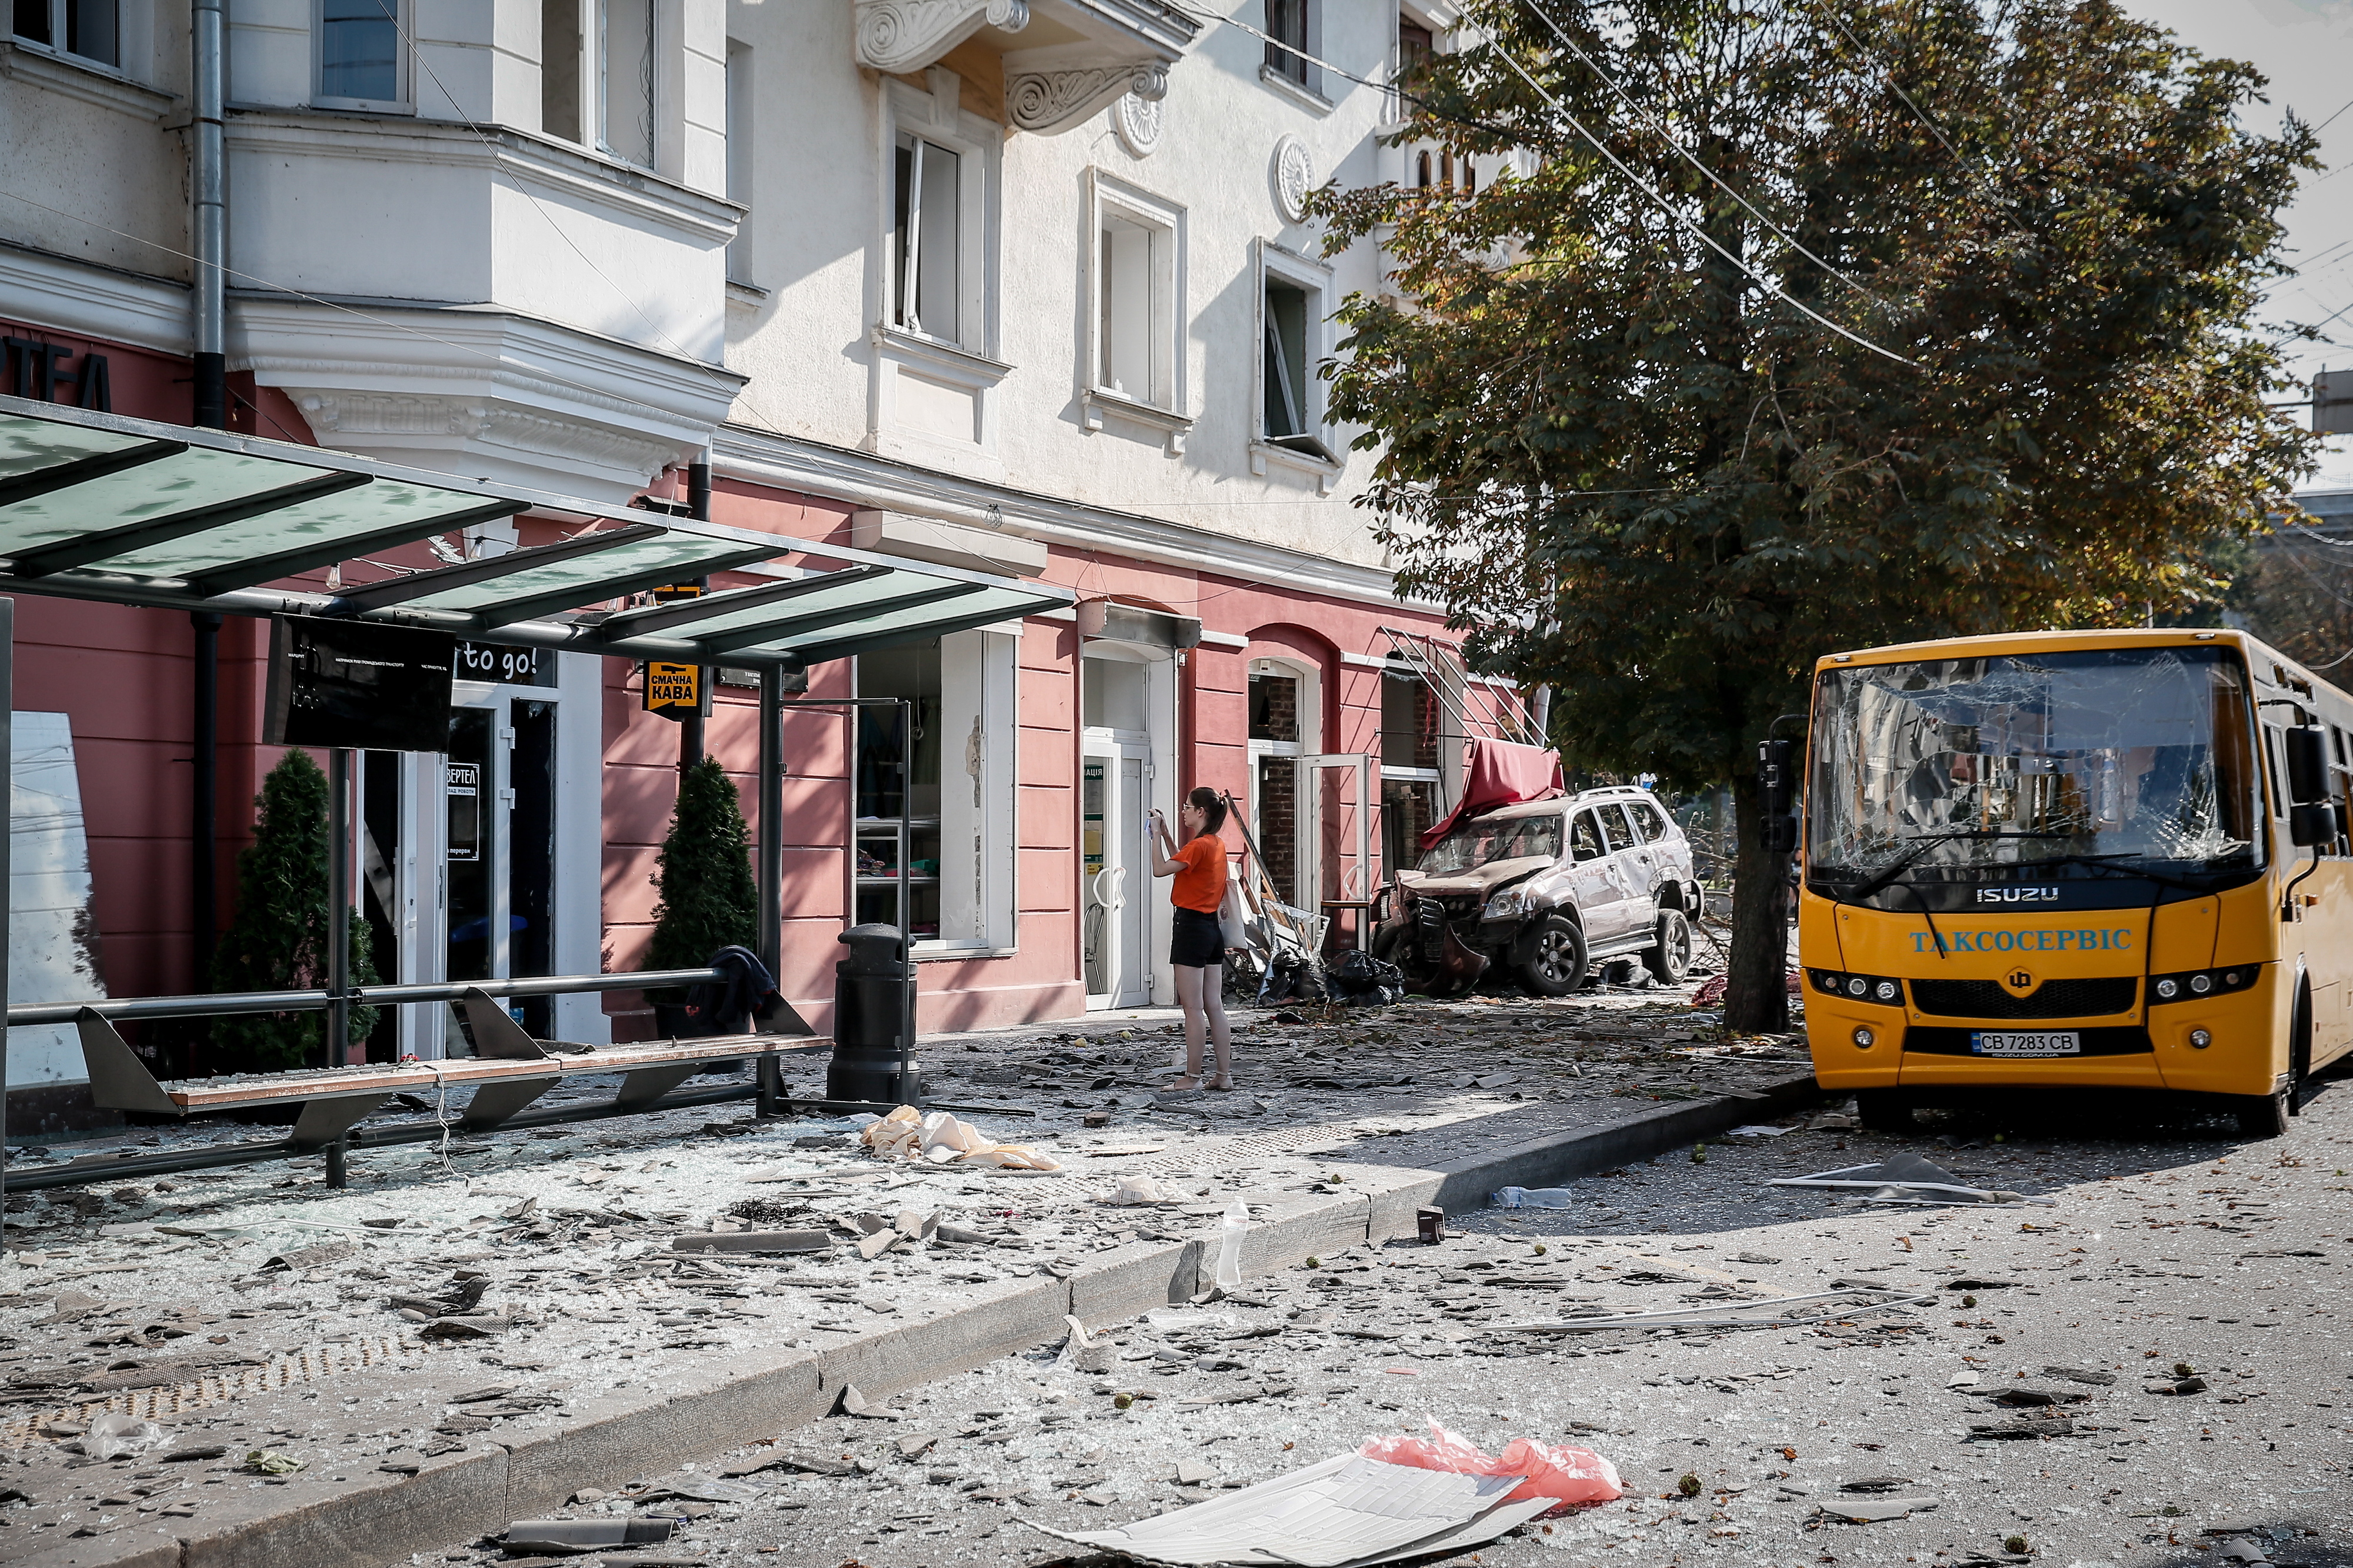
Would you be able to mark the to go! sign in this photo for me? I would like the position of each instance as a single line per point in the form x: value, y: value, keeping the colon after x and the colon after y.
x: 676, y: 691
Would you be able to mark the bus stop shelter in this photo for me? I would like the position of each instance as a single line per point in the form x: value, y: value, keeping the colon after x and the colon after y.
x: 126, y: 511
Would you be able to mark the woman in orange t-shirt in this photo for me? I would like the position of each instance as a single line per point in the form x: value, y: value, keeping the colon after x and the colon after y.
x: 1196, y: 944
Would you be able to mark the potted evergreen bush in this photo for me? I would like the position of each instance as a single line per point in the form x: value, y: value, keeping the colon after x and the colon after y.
x: 277, y: 942
x: 704, y: 871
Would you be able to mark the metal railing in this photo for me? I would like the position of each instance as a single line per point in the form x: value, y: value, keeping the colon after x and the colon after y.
x: 133, y: 1007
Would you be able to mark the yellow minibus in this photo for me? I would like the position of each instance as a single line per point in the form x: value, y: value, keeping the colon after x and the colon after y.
x: 2111, y: 860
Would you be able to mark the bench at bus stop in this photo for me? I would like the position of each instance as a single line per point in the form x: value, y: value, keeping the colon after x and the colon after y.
x: 509, y: 1071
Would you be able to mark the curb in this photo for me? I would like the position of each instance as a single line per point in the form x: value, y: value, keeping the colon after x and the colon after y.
x: 382, y: 1519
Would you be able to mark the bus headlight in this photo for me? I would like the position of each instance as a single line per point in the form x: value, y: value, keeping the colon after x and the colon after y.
x: 2199, y: 982
x: 1880, y: 989
x: 2200, y: 1040
x: 1863, y: 1038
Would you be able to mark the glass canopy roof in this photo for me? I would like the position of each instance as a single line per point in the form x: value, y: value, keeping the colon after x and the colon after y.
x: 94, y: 506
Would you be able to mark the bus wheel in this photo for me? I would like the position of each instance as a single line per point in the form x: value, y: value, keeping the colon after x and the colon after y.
x: 1671, y: 960
x: 2263, y: 1116
x: 1883, y: 1110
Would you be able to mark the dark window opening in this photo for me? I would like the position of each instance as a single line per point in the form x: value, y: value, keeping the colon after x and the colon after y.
x: 1286, y: 24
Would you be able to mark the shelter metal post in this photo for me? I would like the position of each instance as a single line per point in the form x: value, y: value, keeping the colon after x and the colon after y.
x: 906, y: 886
x: 691, y: 729
x: 772, y: 863
x: 339, y: 928
x: 7, y: 800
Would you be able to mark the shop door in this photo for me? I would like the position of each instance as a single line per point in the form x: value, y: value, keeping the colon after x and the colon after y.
x: 1115, y: 870
x: 499, y: 801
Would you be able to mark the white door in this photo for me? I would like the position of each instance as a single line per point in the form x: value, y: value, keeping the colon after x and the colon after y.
x: 1116, y: 873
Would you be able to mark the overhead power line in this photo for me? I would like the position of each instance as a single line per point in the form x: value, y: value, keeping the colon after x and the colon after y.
x: 1667, y: 132
x: 1664, y: 205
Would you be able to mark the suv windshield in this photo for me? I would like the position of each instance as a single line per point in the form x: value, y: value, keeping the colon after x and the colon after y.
x: 2113, y: 755
x: 1476, y: 844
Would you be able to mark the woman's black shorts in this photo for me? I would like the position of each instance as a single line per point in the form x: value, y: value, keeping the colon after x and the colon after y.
x: 1196, y: 940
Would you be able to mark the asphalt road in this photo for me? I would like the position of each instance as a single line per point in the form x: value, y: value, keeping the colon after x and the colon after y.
x: 2165, y: 1249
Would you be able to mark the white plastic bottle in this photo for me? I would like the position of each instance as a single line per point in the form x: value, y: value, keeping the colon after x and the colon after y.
x: 1230, y: 1248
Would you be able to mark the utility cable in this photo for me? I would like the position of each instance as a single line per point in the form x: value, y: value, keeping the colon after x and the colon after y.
x: 1666, y: 132
x: 1615, y: 162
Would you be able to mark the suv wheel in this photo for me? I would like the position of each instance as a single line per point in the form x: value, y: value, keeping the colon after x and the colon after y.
x: 1552, y: 957
x: 1669, y: 960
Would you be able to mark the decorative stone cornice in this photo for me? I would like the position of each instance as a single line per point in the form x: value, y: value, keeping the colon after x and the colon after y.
x: 1054, y: 100
x: 905, y: 35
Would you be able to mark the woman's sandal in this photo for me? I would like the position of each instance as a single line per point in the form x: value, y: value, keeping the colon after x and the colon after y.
x: 1187, y: 1085
x: 1223, y: 1085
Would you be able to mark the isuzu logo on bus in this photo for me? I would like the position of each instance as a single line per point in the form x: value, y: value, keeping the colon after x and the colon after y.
x: 2018, y: 895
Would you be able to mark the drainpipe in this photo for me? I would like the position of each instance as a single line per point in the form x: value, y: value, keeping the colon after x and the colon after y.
x: 211, y: 412
x: 211, y: 216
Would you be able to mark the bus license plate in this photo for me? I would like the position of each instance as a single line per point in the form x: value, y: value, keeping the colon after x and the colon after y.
x: 2047, y: 1043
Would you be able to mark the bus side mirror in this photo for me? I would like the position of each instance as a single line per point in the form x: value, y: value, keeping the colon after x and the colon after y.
x: 1777, y: 781
x: 1776, y: 763
x: 2312, y: 824
x: 2307, y: 767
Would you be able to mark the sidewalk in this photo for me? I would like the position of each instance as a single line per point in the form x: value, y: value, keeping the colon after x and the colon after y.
x: 468, y: 1336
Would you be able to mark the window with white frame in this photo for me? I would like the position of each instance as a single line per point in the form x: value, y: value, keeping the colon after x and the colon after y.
x: 927, y: 240
x: 90, y: 29
x: 562, y: 45
x: 955, y: 779
x: 739, y: 157
x: 625, y: 79
x: 1138, y: 274
x: 1289, y: 29
x: 1293, y: 339
x: 362, y: 54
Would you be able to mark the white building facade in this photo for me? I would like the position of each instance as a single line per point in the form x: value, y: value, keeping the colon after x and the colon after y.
x: 1021, y: 286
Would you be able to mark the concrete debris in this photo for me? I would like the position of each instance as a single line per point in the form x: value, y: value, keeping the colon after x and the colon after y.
x: 567, y: 1537
x: 2080, y: 1374
x: 1531, y: 1198
x: 2179, y: 1386
x: 270, y: 1462
x: 761, y: 1241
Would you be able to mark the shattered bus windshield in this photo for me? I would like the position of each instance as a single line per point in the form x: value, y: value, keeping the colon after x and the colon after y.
x: 1477, y: 844
x: 2124, y: 756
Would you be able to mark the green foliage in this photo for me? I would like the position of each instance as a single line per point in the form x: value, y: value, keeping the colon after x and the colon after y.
x: 708, y: 900
x: 1644, y: 479
x: 278, y: 939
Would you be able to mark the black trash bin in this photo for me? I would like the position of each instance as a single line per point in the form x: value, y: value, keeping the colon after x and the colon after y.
x: 873, y: 1005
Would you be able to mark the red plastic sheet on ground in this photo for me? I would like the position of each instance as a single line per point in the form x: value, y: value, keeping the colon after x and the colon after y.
x: 1711, y: 992
x: 1574, y: 1477
x: 1501, y: 774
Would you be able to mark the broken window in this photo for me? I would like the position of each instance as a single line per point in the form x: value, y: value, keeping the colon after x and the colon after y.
x: 2105, y: 756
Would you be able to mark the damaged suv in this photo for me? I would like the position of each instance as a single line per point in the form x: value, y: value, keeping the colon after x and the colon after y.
x: 1546, y: 888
